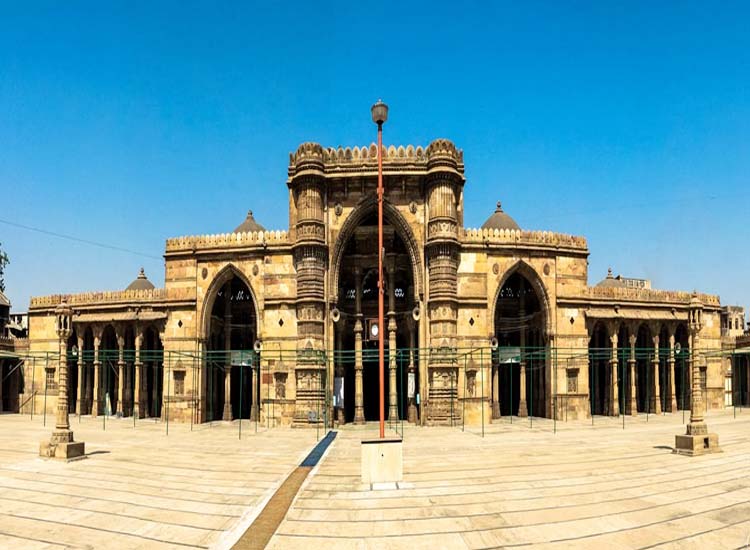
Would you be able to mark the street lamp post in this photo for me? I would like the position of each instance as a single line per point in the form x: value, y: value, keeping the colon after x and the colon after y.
x: 379, y: 116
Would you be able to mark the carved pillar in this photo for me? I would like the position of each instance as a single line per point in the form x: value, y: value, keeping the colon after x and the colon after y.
x: 412, y: 412
x: 392, y: 387
x: 359, y: 402
x: 120, y: 373
x: 443, y: 187
x: 523, y: 410
x: 340, y: 373
x: 671, y: 373
x: 79, y: 389
x: 64, y: 330
x: 614, y: 403
x: 95, y: 396
x: 656, y: 399
x: 631, y: 369
x: 227, y: 413
x: 138, y: 397
x: 310, y: 250
x: 496, y: 390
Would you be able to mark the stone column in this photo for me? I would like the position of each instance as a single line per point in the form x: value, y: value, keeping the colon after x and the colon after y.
x: 137, y: 398
x: 631, y: 369
x: 656, y: 408
x: 359, y: 402
x: 340, y: 372
x: 747, y: 380
x: 255, y: 389
x: 97, y: 368
x: 671, y: 371
x: 227, y: 415
x: 614, y: 403
x: 697, y: 440
x: 61, y: 444
x: 496, y: 391
x: 412, y: 412
x: 155, y: 388
x: 79, y: 388
x: 392, y: 387
x: 120, y: 374
x: 522, y: 407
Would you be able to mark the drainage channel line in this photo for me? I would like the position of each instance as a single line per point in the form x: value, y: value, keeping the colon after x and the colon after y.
x: 262, y: 529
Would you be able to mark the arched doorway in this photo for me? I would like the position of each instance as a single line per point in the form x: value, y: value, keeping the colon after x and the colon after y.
x: 72, y: 360
x: 109, y: 356
x: 232, y: 385
x: 520, y: 359
x: 152, y: 358
x: 355, y: 331
x: 600, y: 354
x: 644, y: 355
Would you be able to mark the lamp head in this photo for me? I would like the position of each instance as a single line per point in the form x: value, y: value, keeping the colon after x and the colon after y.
x: 379, y: 112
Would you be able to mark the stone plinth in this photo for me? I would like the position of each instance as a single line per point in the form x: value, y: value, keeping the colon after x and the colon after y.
x: 382, y: 460
x: 697, y: 441
x: 62, y: 446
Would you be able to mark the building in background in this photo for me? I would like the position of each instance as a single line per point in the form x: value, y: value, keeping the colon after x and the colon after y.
x: 482, y: 322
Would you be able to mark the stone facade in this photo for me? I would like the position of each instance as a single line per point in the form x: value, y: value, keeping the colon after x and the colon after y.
x: 492, y: 321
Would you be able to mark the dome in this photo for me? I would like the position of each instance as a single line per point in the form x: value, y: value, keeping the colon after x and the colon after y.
x: 141, y: 282
x: 249, y: 225
x: 500, y: 220
x: 610, y: 281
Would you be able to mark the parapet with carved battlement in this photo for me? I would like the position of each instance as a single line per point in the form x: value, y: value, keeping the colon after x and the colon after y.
x: 489, y: 237
x: 365, y: 159
x: 134, y: 297
x: 625, y: 294
x: 227, y: 240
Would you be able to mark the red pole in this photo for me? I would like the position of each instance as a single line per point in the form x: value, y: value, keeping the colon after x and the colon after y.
x: 381, y: 290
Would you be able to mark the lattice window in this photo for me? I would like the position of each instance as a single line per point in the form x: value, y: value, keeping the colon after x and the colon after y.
x: 572, y: 380
x: 51, y: 380
x: 179, y: 382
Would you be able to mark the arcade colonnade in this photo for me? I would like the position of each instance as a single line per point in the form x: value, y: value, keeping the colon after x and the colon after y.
x: 116, y: 369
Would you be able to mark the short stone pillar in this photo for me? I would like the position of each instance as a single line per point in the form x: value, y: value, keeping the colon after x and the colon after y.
x: 61, y: 445
x: 382, y: 460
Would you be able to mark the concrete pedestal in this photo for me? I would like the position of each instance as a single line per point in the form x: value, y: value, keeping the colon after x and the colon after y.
x: 382, y: 460
x: 697, y: 441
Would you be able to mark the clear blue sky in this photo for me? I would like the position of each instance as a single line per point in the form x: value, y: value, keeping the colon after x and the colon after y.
x: 625, y: 122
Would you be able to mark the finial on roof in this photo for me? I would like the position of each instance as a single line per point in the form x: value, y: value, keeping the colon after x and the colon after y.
x: 142, y: 274
x: 609, y: 273
x: 499, y: 207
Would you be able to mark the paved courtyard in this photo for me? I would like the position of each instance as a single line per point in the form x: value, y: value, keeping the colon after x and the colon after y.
x: 583, y: 487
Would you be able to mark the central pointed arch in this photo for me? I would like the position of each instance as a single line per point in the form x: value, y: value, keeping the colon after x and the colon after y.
x: 392, y: 216
x: 224, y: 275
x: 533, y: 278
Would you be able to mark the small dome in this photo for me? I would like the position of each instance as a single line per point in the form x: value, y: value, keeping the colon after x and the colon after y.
x: 500, y: 220
x: 249, y: 225
x: 141, y: 282
x: 611, y: 281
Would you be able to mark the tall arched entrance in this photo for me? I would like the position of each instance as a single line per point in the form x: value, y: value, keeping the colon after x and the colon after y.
x: 231, y: 381
x: 356, y: 384
x: 520, y: 365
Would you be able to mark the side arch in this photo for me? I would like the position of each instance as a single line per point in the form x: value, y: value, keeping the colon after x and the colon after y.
x: 531, y: 275
x: 225, y: 273
x: 393, y: 217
